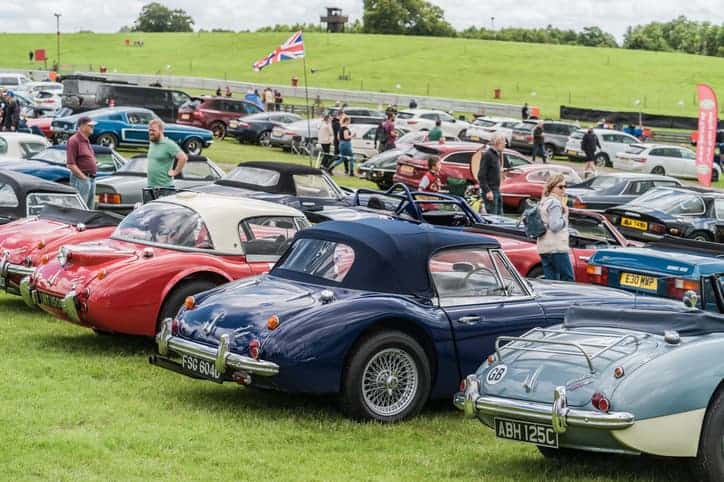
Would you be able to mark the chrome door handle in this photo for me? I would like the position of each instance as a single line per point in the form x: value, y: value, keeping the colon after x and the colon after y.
x: 469, y: 320
x: 584, y: 258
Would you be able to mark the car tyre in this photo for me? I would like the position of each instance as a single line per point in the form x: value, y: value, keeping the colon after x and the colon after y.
x: 107, y: 140
x: 709, y: 462
x: 550, y: 151
x: 714, y: 175
x: 175, y: 299
x: 701, y: 236
x: 658, y: 170
x: 265, y: 139
x: 193, y: 146
x: 371, y: 390
x: 219, y: 130
x: 602, y: 160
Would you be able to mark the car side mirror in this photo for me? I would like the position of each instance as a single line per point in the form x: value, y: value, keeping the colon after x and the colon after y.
x: 463, y: 267
x: 690, y: 299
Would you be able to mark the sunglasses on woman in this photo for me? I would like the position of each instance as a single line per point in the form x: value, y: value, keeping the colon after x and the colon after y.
x: 561, y: 186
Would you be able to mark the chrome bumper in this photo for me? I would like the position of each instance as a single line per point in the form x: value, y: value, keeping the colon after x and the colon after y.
x: 7, y: 268
x: 221, y: 356
x: 69, y: 304
x: 558, y: 414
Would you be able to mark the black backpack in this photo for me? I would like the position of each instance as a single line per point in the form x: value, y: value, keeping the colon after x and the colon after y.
x: 533, y: 222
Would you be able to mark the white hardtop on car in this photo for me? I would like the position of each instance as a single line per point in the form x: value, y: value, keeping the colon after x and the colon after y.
x: 20, y: 145
x: 484, y: 128
x: 424, y: 119
x: 222, y: 214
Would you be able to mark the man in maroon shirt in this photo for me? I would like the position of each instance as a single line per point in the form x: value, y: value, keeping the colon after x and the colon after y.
x: 81, y: 161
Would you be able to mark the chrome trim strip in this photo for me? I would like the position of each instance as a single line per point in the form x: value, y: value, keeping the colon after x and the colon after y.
x: 17, y: 269
x: 543, y: 413
x: 221, y: 357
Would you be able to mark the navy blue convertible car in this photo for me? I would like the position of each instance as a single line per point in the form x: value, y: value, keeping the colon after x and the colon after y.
x: 384, y: 313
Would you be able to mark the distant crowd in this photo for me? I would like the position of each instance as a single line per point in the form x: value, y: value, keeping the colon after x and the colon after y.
x: 269, y: 100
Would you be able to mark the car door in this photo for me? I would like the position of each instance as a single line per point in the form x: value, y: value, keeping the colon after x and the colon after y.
x: 688, y: 162
x: 136, y: 130
x: 483, y: 297
x: 367, y: 142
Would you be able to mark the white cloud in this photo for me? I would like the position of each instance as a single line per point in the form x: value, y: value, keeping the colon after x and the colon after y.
x: 108, y: 16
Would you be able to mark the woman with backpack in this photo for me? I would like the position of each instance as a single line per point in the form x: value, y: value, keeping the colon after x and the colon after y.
x: 553, y: 245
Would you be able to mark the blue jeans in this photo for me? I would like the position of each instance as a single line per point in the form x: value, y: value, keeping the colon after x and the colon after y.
x: 346, y: 156
x: 86, y: 188
x: 557, y: 266
x: 495, y: 206
x: 539, y: 149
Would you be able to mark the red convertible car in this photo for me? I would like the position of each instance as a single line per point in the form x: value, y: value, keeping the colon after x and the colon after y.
x: 161, y: 254
x: 527, y: 182
x: 28, y: 242
x: 589, y: 231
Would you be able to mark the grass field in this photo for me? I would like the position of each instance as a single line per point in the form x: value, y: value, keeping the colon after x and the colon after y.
x: 79, y: 406
x: 546, y: 75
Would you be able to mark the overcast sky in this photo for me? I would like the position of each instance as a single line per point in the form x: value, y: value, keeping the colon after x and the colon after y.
x: 108, y: 16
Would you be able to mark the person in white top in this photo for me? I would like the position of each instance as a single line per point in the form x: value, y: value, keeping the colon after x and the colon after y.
x: 553, y: 246
x: 325, y: 138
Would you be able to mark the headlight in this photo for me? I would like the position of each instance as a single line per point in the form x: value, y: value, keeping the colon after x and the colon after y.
x: 233, y: 124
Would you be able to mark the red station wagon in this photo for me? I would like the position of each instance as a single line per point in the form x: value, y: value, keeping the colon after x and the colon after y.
x: 214, y: 113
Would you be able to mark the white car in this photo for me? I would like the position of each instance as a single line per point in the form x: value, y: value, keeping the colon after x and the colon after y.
x: 363, y: 140
x: 418, y: 137
x: 12, y: 81
x: 612, y: 143
x: 19, y: 145
x: 46, y: 100
x: 484, y: 128
x: 33, y: 87
x: 661, y: 159
x: 424, y: 120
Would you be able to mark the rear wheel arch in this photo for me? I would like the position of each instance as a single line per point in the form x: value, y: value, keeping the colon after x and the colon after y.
x: 207, y: 278
x: 706, y: 464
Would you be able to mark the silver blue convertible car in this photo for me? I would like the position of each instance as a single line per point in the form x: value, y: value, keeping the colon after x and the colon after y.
x: 635, y: 381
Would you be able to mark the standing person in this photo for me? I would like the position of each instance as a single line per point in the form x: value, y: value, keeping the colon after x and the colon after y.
x: 227, y: 93
x: 412, y: 104
x: 162, y: 152
x: 538, y: 144
x: 490, y: 174
x: 380, y: 137
x: 269, y: 99
x: 326, y: 138
x: 218, y: 91
x: 336, y: 126
x: 81, y: 161
x: 11, y: 113
x: 277, y: 100
x: 524, y: 111
x: 390, y: 135
x: 435, y: 133
x: 345, y: 148
x: 430, y: 182
x: 553, y: 245
x: 589, y: 145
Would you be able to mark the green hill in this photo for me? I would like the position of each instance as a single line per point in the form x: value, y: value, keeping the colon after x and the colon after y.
x: 546, y: 75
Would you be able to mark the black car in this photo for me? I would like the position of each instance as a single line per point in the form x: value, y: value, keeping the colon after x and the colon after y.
x: 689, y: 213
x: 256, y: 128
x: 298, y: 186
x: 613, y: 189
x: 380, y: 168
x: 22, y: 195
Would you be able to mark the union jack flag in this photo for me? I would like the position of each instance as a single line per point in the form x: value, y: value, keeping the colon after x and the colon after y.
x: 292, y: 49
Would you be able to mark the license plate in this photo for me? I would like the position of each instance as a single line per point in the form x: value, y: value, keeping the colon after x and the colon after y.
x: 533, y: 433
x: 49, y: 300
x: 633, y: 280
x: 202, y: 368
x: 635, y: 223
x: 185, y: 116
x: 474, y: 138
x: 572, y: 153
x: 407, y: 170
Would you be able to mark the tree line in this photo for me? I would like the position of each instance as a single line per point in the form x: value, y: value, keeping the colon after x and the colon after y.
x: 420, y: 17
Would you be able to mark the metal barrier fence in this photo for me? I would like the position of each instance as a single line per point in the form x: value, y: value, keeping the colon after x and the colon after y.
x: 347, y: 96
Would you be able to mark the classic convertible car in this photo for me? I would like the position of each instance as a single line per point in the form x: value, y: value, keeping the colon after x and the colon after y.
x: 22, y: 195
x: 648, y: 380
x: 161, y: 253
x: 282, y: 182
x: 686, y: 212
x: 615, y: 188
x: 352, y: 309
x: 589, y: 231
x: 128, y: 126
x: 50, y: 164
x: 667, y: 268
x: 29, y: 242
x: 120, y: 193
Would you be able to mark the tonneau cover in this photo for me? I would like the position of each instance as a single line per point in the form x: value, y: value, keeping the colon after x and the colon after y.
x: 91, y: 219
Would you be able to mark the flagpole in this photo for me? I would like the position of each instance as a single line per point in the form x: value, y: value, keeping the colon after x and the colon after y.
x: 306, y: 100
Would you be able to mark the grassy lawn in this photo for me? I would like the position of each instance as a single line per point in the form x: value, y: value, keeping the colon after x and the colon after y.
x: 79, y: 406
x: 545, y: 75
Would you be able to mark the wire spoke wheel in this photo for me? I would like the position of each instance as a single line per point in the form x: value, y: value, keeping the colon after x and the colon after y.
x: 390, y: 382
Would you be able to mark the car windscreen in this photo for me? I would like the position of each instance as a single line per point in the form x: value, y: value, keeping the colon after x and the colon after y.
x: 484, y: 123
x: 405, y: 115
x: 136, y: 165
x: 166, y: 224
x: 603, y: 183
x: 577, y: 135
x: 319, y: 258
x: 671, y: 202
x: 36, y: 200
x: 313, y: 185
x: 254, y: 175
x: 56, y: 156
x: 191, y: 104
x: 635, y: 149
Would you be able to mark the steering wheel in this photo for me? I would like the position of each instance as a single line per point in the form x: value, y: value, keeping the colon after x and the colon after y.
x: 478, y: 269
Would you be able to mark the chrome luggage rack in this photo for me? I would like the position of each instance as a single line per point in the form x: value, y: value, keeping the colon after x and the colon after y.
x: 517, y: 343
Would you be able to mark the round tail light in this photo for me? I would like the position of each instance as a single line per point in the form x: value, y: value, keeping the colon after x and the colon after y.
x: 600, y: 402
x: 254, y: 349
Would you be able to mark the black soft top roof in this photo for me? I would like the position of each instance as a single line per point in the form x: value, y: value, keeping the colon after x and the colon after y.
x: 285, y: 184
x: 686, y: 322
x: 23, y: 184
x: 282, y: 167
x: 91, y: 219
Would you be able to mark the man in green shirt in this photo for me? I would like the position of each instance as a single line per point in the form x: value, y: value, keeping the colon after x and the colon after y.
x: 161, y: 155
x: 435, y: 133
